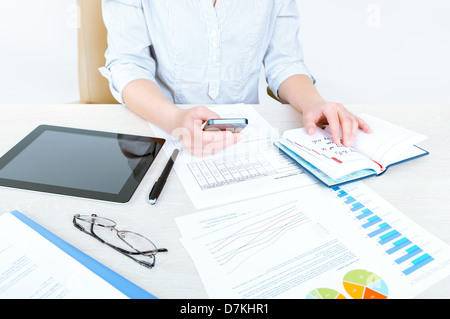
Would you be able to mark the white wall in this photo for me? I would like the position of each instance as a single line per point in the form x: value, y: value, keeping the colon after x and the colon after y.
x: 38, y: 51
x: 378, y: 51
x: 360, y: 51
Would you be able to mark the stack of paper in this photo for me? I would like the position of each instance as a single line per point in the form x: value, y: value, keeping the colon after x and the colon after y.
x: 36, y: 264
x: 313, y: 242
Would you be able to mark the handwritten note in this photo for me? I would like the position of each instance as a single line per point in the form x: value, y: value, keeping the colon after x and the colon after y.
x: 320, y: 150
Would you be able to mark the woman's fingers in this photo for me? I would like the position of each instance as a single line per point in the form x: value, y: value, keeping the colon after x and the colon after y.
x: 342, y: 123
x: 310, y: 120
x: 199, y: 142
x: 363, y: 125
x: 331, y: 113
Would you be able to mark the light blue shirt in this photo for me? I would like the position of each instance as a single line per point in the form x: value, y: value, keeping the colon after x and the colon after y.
x: 199, y: 53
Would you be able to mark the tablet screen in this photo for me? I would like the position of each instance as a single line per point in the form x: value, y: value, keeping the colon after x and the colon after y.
x: 77, y: 162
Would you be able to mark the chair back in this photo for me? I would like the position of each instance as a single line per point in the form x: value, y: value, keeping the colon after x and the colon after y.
x: 92, y: 44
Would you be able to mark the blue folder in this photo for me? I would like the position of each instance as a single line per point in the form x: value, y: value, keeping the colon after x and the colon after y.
x: 120, y: 283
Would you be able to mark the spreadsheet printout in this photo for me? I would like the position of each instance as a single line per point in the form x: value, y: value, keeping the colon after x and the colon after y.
x: 253, y: 167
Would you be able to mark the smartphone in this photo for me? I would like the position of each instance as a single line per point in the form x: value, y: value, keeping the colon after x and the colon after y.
x: 234, y: 125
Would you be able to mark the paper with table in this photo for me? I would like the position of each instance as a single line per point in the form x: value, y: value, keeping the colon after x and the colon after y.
x: 36, y: 264
x: 313, y: 242
x: 251, y: 168
x: 371, y: 154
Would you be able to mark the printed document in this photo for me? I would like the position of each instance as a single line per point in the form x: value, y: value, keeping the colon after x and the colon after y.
x: 251, y: 168
x: 31, y: 267
x: 313, y: 242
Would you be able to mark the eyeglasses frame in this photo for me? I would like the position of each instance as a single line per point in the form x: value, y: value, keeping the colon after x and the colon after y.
x: 129, y: 254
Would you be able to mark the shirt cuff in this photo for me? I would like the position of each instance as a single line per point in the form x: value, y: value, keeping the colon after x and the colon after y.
x: 120, y: 75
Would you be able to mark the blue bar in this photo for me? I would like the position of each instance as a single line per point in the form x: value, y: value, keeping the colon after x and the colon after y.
x: 366, y: 212
x: 372, y: 221
x: 412, y: 251
x: 335, y: 188
x: 383, y: 228
x: 388, y: 237
x: 388, y: 234
x: 349, y: 200
x: 399, y: 244
x: 356, y: 206
x: 420, y: 259
x: 418, y: 263
x: 342, y: 193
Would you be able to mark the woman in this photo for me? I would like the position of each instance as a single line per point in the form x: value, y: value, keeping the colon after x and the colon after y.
x: 162, y: 53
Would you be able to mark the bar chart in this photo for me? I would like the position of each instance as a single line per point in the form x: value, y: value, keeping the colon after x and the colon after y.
x: 403, y: 250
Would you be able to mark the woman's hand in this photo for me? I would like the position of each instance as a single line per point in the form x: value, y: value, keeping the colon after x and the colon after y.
x: 300, y: 92
x: 338, y: 118
x: 199, y: 142
x: 146, y: 99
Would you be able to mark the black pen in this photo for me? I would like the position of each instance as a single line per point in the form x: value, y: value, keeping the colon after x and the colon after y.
x: 159, y: 184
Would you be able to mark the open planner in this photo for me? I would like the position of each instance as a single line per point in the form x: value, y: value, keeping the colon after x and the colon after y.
x: 370, y: 155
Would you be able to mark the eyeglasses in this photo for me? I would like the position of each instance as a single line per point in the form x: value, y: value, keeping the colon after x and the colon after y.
x: 104, y: 230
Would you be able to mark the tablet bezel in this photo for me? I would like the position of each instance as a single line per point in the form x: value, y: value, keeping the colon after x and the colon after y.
x: 123, y: 196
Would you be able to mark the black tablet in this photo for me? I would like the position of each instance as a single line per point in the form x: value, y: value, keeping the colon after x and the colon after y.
x: 77, y: 162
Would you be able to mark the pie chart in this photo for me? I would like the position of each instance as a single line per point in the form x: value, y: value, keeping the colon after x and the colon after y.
x: 324, y: 293
x: 363, y: 284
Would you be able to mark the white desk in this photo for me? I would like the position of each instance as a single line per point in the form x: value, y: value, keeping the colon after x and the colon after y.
x: 420, y: 188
